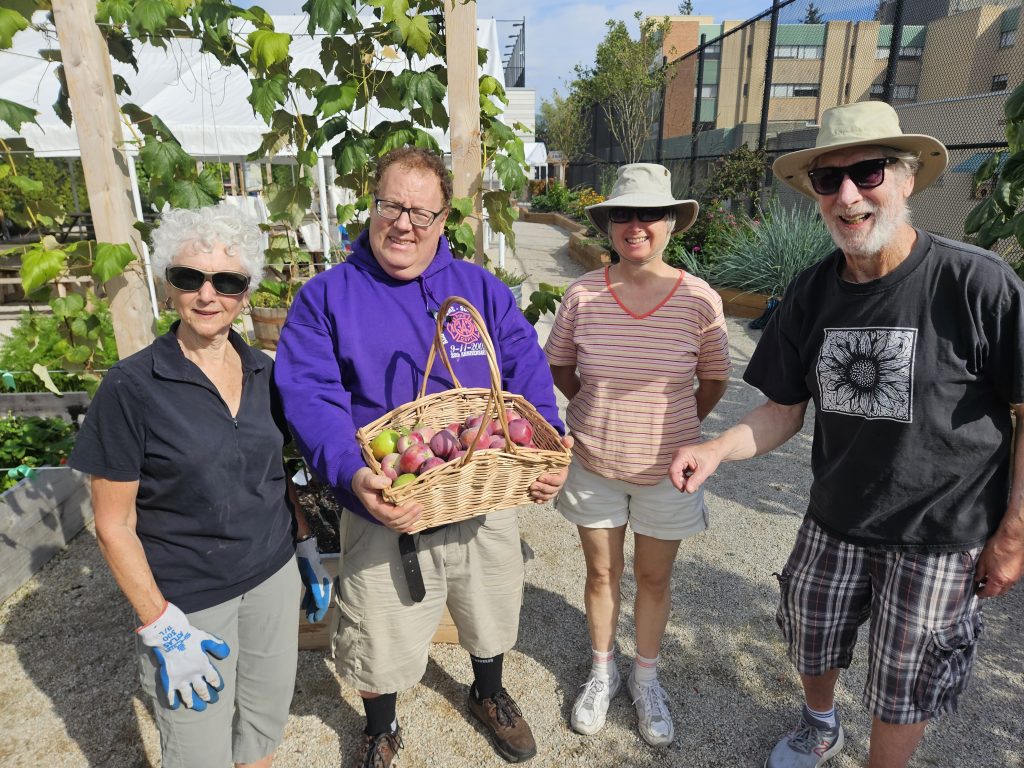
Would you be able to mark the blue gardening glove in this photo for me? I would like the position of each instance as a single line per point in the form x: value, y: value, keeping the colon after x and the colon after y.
x: 315, y: 578
x: 187, y: 674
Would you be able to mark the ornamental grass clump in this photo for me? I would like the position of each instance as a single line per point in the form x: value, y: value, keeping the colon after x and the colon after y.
x: 763, y: 256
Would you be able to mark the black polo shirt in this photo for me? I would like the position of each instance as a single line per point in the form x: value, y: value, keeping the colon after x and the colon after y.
x: 211, y: 509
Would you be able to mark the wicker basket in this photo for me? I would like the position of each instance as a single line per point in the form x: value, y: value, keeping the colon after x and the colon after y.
x: 481, y: 481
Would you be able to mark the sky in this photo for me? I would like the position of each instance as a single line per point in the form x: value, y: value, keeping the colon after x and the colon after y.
x: 563, y: 33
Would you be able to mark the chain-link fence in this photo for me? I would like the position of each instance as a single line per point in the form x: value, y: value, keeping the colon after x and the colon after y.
x: 947, y: 66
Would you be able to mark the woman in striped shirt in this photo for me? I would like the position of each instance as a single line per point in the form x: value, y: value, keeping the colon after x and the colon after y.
x: 629, y: 342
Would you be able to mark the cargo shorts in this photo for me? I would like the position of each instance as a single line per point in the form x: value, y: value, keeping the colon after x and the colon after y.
x: 925, y: 620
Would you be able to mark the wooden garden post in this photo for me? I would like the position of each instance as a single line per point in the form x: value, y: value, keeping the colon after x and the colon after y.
x: 464, y: 109
x: 97, y: 121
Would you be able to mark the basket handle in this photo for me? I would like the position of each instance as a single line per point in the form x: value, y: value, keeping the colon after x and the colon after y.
x: 437, y: 350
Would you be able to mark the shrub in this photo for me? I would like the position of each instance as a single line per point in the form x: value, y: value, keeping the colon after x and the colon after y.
x: 681, y: 257
x: 581, y: 198
x: 31, y: 441
x: 764, y: 256
x: 556, y: 199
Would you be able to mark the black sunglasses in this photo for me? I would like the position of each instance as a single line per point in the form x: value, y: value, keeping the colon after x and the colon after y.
x: 225, y: 283
x: 625, y: 215
x: 866, y: 174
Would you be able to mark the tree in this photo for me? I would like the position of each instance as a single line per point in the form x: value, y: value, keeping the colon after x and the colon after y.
x: 737, y: 176
x: 686, y: 8
x: 566, y: 128
x: 813, y: 15
x: 625, y: 80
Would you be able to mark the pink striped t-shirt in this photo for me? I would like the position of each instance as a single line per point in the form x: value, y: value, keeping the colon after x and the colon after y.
x: 636, y: 405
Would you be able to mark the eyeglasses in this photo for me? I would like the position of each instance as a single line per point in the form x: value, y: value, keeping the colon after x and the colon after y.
x: 625, y: 215
x: 866, y: 174
x: 418, y: 217
x: 225, y: 283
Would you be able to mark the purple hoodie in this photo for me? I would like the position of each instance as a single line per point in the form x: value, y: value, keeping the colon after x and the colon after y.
x: 356, y: 342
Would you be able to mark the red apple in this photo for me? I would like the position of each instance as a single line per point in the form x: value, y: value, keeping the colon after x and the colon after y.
x: 413, y: 456
x: 468, y: 435
x: 443, y: 443
x: 456, y: 455
x: 389, y: 465
x: 520, y: 431
x: 407, y: 440
x: 499, y: 442
x: 476, y: 421
x: 423, y: 433
x: 429, y: 464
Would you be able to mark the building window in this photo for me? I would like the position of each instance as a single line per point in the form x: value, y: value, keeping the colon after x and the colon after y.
x: 746, y: 89
x: 750, y: 50
x: 877, y: 91
x: 785, y: 90
x: 904, y: 92
x: 713, y: 50
x: 911, y: 52
x: 1007, y: 38
x: 999, y: 82
x: 799, y: 51
x: 706, y: 91
x: 846, y: 90
x: 882, y: 52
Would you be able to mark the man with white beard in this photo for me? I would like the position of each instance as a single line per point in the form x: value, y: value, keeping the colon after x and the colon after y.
x: 912, y: 348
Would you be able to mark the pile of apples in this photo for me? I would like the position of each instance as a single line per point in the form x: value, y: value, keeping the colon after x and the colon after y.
x: 405, y: 454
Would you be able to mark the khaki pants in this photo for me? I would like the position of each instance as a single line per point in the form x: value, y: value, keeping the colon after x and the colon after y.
x: 381, y: 637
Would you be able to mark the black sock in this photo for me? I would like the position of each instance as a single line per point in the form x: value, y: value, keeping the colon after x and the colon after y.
x: 380, y: 714
x: 487, y: 676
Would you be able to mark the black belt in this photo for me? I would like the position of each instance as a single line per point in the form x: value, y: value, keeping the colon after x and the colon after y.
x: 411, y: 562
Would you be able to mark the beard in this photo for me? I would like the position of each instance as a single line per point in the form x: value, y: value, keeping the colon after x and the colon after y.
x: 886, y: 221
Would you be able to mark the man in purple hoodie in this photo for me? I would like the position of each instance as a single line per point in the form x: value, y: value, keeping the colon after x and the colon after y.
x: 354, y: 347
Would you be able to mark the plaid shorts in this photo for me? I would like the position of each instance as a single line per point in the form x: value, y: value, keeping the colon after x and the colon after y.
x: 925, y: 620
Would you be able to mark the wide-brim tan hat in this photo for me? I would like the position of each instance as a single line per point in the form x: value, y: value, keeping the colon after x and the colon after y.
x: 644, y: 185
x: 866, y: 123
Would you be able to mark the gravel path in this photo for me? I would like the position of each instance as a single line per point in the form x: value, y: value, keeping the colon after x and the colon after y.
x: 70, y: 698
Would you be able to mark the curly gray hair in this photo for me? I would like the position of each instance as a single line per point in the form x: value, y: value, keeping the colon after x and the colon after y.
x: 203, y: 229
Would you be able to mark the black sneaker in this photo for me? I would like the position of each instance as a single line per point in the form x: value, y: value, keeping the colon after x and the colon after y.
x: 379, y: 751
x: 510, y: 733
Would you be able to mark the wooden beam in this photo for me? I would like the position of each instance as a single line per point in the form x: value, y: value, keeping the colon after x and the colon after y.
x: 97, y: 121
x: 464, y: 109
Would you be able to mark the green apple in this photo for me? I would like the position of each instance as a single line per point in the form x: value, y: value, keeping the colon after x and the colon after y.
x: 405, y: 479
x: 384, y: 443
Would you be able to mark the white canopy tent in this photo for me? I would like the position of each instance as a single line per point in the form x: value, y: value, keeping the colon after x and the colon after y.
x: 202, y: 102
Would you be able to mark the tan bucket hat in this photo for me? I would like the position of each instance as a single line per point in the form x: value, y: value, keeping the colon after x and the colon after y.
x: 644, y: 185
x: 865, y: 123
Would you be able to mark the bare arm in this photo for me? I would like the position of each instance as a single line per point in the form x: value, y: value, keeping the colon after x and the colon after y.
x: 566, y: 379
x: 763, y: 429
x: 707, y: 394
x: 1002, y: 560
x: 302, y: 529
x: 114, y: 510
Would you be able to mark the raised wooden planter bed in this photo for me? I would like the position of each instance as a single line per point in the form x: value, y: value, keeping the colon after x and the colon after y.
x: 588, y: 253
x: 38, y: 518
x: 738, y: 303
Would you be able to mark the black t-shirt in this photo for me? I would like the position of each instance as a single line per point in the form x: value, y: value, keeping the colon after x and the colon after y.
x: 211, y: 507
x: 911, y: 376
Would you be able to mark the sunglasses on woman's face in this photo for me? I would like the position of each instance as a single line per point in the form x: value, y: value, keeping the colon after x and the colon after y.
x: 625, y: 215
x: 225, y: 283
x: 866, y: 174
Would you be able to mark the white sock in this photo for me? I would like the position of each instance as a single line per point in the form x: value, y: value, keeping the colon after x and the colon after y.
x: 828, y: 718
x: 645, y: 671
x: 601, y: 663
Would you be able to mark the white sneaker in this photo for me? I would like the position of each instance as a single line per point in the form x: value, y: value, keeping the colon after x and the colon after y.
x: 654, y: 721
x: 591, y: 707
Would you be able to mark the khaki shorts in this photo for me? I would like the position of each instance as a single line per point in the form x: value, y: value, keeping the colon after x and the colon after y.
x: 381, y: 637
x: 247, y: 722
x: 660, y: 511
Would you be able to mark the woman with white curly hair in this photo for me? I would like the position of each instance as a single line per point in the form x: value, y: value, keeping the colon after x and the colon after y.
x: 183, y: 441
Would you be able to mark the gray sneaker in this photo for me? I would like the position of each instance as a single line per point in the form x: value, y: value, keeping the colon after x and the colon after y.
x: 810, y: 744
x: 654, y: 721
x: 591, y: 707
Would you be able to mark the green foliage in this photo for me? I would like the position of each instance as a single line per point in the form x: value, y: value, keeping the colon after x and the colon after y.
x: 33, y: 186
x: 30, y: 441
x: 624, y: 81
x: 763, y: 256
x: 544, y: 300
x: 566, y: 124
x: 1001, y: 215
x: 49, y: 340
x: 509, y: 277
x: 737, y: 176
x: 556, y: 199
x: 813, y: 15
